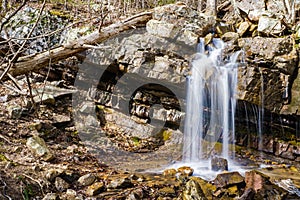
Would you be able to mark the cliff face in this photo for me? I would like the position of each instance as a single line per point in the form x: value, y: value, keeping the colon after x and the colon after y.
x: 141, y: 74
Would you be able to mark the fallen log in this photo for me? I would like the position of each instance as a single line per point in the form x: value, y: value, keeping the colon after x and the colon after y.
x: 32, y: 63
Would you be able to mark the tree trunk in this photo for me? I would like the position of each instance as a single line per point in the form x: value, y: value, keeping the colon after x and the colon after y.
x: 35, y: 62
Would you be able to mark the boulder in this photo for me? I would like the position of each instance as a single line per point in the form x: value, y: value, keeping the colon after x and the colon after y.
x: 219, y: 164
x: 270, y: 26
x: 39, y: 148
x: 227, y: 179
x: 187, y: 171
x: 193, y: 191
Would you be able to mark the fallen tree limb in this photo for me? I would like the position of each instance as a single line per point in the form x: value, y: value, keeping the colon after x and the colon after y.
x: 38, y: 61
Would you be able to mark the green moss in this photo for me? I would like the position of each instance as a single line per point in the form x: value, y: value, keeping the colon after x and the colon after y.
x: 60, y: 14
x: 166, y: 135
x: 3, y: 158
x: 164, y: 2
x: 136, y: 141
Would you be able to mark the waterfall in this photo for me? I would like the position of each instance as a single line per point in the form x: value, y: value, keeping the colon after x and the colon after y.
x: 211, y: 102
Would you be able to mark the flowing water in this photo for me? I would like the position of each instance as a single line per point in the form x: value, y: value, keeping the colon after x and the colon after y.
x: 210, y: 106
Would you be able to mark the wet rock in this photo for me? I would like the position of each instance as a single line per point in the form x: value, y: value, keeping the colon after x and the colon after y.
x: 263, y: 187
x: 219, y: 164
x: 170, y: 172
x: 39, y: 148
x: 95, y: 189
x: 87, y: 179
x: 248, y: 194
x: 289, y: 186
x: 228, y: 179
x: 256, y: 180
x: 188, y: 171
x: 193, y: 191
x: 120, y: 183
x: 60, y: 184
x: 207, y: 187
x: 50, y: 196
x: 284, y: 149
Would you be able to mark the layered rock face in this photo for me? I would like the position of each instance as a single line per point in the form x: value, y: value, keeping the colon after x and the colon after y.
x: 142, y: 74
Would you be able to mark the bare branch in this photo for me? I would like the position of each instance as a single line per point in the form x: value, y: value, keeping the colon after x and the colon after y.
x: 16, y: 55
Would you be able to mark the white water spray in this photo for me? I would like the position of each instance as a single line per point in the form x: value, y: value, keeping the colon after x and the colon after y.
x: 210, y: 102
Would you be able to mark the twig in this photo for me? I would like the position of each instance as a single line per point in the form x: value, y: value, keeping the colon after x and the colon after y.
x: 30, y: 89
x: 4, y: 189
x: 38, y: 182
x: 14, y: 89
x: 14, y: 81
x: 7, y: 140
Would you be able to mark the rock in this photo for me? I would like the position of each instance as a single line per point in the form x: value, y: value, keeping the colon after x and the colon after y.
x: 51, y: 174
x: 228, y: 179
x: 193, y: 191
x: 263, y: 187
x: 260, y: 47
x: 248, y: 194
x: 289, y: 186
x: 95, y: 189
x: 162, y: 29
x: 284, y: 149
x: 70, y: 195
x: 50, y: 196
x: 15, y: 112
x: 243, y: 28
x: 219, y: 164
x: 230, y: 36
x: 120, y: 183
x: 45, y: 99
x: 188, y: 171
x: 61, y: 118
x: 167, y: 191
x: 87, y: 179
x: 136, y: 194
x: 170, y: 172
x: 60, y: 184
x: 39, y: 148
x: 261, y: 54
x: 256, y: 180
x: 179, y: 14
x: 268, y: 25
